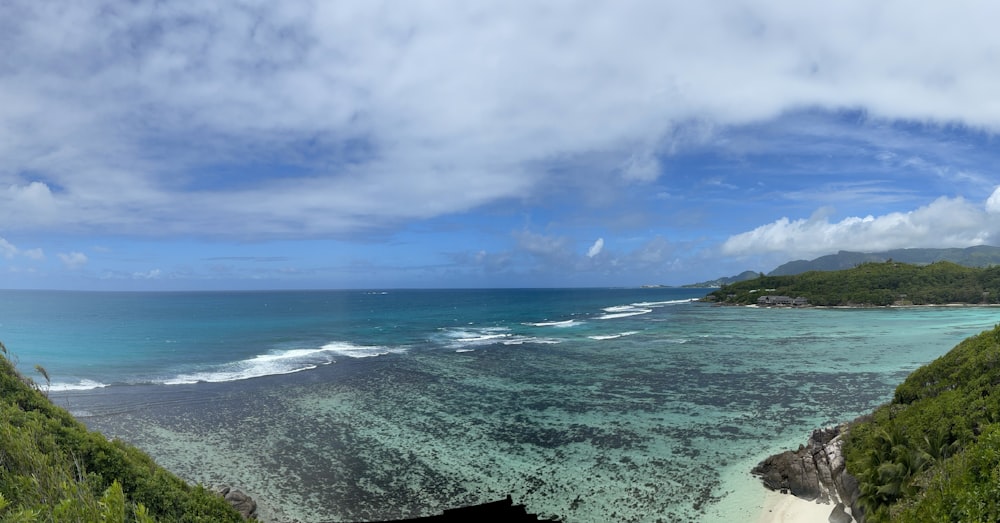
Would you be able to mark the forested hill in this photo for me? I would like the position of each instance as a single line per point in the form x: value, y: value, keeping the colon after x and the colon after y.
x: 978, y: 256
x: 874, y: 284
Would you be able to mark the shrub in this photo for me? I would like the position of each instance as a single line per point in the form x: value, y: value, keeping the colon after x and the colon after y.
x: 933, y: 452
x: 53, y: 469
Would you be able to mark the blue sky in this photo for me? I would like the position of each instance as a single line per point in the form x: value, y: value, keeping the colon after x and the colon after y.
x: 263, y: 145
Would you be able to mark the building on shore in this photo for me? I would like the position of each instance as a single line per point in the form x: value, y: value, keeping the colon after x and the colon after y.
x: 782, y: 301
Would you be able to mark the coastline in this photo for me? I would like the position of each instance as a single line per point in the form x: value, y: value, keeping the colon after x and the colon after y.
x: 857, y: 306
x: 786, y: 508
x: 748, y: 499
x: 284, y: 438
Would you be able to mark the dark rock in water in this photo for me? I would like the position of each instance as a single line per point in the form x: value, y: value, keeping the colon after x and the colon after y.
x: 815, y: 472
x: 243, y: 503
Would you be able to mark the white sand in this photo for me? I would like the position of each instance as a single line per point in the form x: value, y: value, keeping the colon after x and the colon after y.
x: 786, y: 508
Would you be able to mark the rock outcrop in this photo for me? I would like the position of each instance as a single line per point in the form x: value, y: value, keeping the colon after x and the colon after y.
x: 816, y: 472
x: 243, y: 503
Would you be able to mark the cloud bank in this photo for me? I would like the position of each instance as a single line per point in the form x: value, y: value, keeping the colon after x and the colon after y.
x: 945, y: 222
x: 158, y: 118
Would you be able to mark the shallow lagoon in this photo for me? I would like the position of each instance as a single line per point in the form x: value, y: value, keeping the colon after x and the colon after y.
x: 649, y: 416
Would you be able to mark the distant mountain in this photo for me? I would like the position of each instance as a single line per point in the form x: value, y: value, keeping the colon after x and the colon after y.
x: 719, y: 282
x: 979, y: 256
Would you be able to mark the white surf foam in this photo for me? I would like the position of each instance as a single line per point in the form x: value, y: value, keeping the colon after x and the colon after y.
x: 619, y: 308
x: 472, y: 337
x: 612, y: 336
x: 663, y: 303
x: 80, y: 385
x: 282, y: 362
x: 638, y: 308
x: 624, y: 314
x: 361, y: 351
x: 521, y: 340
x: 566, y: 323
x: 484, y: 337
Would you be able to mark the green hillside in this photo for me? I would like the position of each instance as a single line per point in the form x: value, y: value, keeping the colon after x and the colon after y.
x: 933, y: 452
x: 52, y: 469
x: 978, y: 256
x: 874, y: 284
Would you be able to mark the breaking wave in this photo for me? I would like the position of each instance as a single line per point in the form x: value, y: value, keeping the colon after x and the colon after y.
x: 623, y: 313
x: 612, y: 336
x: 565, y: 323
x: 636, y: 309
x: 471, y: 337
x: 283, y: 362
x: 80, y: 385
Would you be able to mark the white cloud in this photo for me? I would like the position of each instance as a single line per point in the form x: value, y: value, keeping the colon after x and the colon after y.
x: 73, y: 260
x: 945, y: 222
x: 993, y: 202
x: 152, y: 274
x: 114, y: 115
x: 596, y: 248
x: 28, y: 204
x: 641, y: 167
x: 9, y: 251
x: 543, y: 246
x: 34, y: 254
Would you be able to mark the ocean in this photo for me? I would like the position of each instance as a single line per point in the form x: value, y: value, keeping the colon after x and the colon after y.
x: 587, y: 404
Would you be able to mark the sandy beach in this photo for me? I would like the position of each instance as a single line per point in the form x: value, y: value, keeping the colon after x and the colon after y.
x: 785, y: 508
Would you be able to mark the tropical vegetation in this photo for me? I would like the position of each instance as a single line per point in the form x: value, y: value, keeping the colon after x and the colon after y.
x: 933, y: 452
x: 874, y: 284
x: 52, y: 469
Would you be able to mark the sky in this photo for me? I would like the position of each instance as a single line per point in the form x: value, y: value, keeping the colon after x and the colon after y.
x: 188, y: 145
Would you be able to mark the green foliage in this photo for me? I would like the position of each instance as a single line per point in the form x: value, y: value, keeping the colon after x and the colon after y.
x: 874, y: 284
x: 933, y: 452
x: 964, y: 488
x: 53, y: 469
x: 142, y: 514
x: 45, y: 374
x: 113, y: 504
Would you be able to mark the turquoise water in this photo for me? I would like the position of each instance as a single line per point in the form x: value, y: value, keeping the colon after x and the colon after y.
x: 591, y: 405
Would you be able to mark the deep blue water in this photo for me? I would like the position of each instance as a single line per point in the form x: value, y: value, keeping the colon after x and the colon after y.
x: 589, y: 404
x: 131, y: 338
